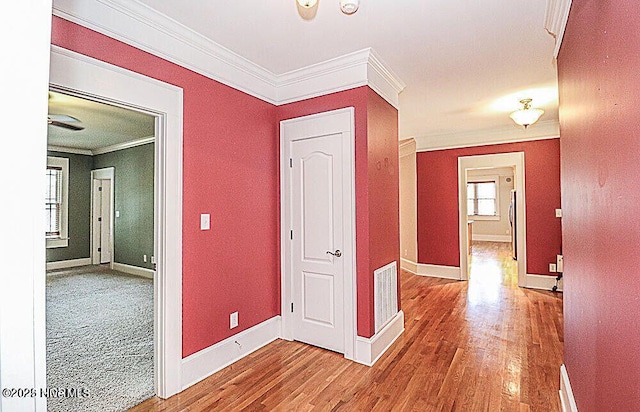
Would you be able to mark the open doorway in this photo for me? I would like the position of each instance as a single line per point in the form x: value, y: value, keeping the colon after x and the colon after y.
x: 492, y: 210
x: 100, y: 216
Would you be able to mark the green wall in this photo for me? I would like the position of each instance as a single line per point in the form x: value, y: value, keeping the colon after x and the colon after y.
x: 79, y: 209
x: 134, y: 175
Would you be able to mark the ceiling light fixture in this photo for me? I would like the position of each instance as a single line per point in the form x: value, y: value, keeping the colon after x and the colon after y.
x: 307, y: 4
x: 526, y: 116
x: 349, y: 6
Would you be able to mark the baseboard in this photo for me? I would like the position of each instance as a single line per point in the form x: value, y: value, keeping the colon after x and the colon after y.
x: 134, y: 270
x: 369, y: 350
x: 567, y: 401
x: 437, y: 271
x: 64, y: 264
x: 491, y: 238
x: 409, y: 266
x: 208, y: 361
x: 544, y: 282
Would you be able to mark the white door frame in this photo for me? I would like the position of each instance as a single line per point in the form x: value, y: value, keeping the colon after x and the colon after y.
x: 107, y: 173
x: 515, y: 159
x: 311, y: 126
x: 90, y: 78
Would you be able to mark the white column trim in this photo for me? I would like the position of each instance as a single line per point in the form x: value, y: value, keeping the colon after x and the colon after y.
x: 555, y: 22
x: 567, y: 401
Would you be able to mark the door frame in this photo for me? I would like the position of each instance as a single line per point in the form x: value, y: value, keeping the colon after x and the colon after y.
x: 107, y: 173
x: 306, y: 127
x: 83, y: 76
x: 513, y: 159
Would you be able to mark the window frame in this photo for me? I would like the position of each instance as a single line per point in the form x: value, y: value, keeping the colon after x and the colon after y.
x: 484, y: 179
x: 61, y: 240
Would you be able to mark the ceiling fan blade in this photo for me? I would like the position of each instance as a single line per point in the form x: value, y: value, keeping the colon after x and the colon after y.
x: 65, y: 125
x: 62, y: 118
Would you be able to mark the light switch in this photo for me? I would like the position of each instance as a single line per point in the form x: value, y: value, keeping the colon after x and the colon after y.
x: 117, y: 213
x: 558, y: 212
x: 205, y: 221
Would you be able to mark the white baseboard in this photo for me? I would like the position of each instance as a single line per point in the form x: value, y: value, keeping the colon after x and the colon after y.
x: 369, y: 350
x: 542, y: 282
x: 208, y: 361
x: 64, y: 264
x: 409, y: 266
x: 567, y: 401
x: 437, y: 271
x: 491, y: 238
x: 134, y: 270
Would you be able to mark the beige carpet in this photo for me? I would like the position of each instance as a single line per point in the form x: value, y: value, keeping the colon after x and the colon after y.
x: 99, y: 339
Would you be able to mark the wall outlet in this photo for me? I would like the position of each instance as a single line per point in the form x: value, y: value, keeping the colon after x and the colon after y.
x: 205, y: 221
x: 233, y: 320
x: 117, y: 213
x: 552, y: 268
x: 558, y: 212
x: 144, y: 258
x: 560, y: 263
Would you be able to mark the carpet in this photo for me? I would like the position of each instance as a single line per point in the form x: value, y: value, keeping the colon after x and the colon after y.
x: 99, y: 340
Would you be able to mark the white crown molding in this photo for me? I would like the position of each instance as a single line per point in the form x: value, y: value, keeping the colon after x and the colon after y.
x: 122, y: 146
x: 549, y: 129
x: 555, y: 21
x: 102, y: 150
x: 407, y: 147
x: 72, y: 150
x: 139, y: 25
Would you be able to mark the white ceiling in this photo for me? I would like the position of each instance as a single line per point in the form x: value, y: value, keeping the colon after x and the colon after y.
x: 457, y: 58
x: 104, y: 125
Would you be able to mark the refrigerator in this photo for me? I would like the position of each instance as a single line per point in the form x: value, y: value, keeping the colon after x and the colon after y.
x: 514, y: 227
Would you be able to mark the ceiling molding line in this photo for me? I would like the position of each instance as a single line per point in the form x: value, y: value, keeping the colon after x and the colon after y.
x: 406, y: 147
x: 140, y: 26
x: 555, y: 21
x: 72, y: 150
x: 143, y: 27
x: 549, y: 129
x: 122, y: 146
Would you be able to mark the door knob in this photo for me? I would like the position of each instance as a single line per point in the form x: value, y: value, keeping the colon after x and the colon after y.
x: 337, y: 253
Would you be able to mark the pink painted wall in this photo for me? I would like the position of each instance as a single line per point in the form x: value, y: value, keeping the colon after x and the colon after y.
x: 599, y: 80
x: 376, y: 139
x: 438, y: 236
x: 231, y: 171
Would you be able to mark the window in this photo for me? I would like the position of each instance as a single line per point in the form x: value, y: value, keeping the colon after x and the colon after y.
x: 482, y: 199
x: 56, y: 205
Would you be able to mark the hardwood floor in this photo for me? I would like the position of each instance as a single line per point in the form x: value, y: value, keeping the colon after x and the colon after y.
x: 481, y: 345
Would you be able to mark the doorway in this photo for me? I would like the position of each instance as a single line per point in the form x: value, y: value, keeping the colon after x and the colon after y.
x: 318, y: 230
x: 102, y: 202
x: 481, y: 167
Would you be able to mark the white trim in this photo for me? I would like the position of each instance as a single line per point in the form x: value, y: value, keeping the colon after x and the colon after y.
x: 64, y: 264
x: 493, y: 161
x: 79, y: 74
x: 133, y: 270
x: 490, y: 238
x: 409, y: 265
x: 439, y: 271
x: 542, y: 282
x: 210, y: 360
x: 369, y: 350
x: 72, y: 150
x: 407, y: 147
x: 549, y: 129
x: 555, y: 22
x: 291, y: 128
x: 141, y: 26
x: 63, y: 239
x: 125, y: 145
x: 104, y: 173
x: 567, y: 401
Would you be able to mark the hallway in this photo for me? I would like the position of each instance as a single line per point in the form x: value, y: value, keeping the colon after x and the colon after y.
x: 482, y: 345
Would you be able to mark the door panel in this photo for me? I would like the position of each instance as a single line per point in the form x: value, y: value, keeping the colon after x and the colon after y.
x: 316, y: 188
x: 105, y: 224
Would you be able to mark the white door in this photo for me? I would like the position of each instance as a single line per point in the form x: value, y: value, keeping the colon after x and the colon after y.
x: 101, y: 224
x: 317, y: 221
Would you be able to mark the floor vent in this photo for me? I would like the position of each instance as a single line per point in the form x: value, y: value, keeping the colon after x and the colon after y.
x: 385, y: 294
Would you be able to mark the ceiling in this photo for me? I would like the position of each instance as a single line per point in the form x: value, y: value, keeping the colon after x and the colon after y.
x: 104, y: 125
x: 466, y: 63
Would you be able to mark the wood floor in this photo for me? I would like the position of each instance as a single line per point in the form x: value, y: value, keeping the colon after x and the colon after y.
x: 481, y: 345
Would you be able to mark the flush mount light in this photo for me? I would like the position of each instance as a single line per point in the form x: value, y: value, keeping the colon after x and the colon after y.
x: 349, y: 6
x: 307, y: 4
x: 526, y: 116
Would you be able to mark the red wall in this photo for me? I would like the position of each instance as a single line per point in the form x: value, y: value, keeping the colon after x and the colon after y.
x: 599, y: 80
x: 231, y: 171
x: 376, y: 127
x: 438, y: 235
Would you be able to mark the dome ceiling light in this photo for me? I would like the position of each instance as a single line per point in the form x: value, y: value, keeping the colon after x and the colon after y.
x: 526, y: 116
x: 347, y: 6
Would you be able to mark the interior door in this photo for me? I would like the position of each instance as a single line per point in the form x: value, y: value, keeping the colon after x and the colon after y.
x: 101, y: 224
x: 317, y: 240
